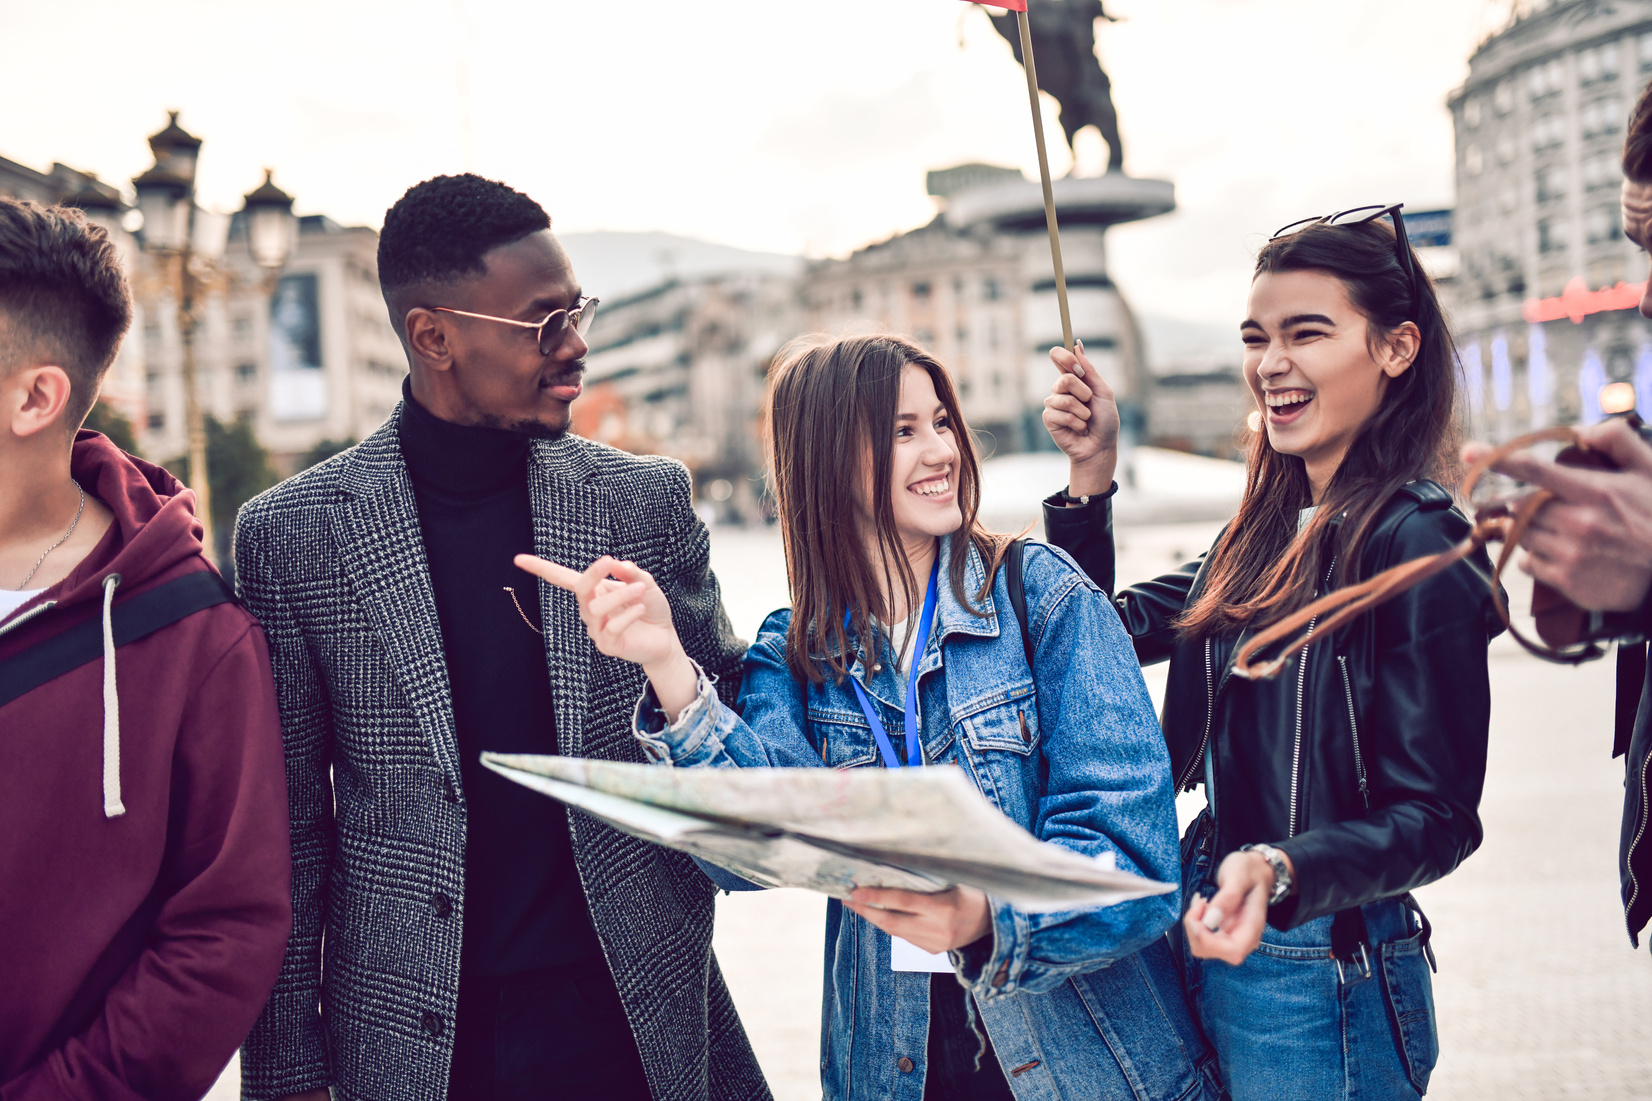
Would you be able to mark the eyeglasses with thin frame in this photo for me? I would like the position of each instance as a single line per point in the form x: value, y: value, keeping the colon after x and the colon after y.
x: 552, y: 331
x: 1358, y: 216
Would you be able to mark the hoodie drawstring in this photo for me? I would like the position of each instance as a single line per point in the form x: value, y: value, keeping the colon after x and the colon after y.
x: 112, y: 806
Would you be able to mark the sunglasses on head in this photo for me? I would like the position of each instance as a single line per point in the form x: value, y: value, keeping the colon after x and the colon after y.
x: 1358, y: 216
x: 553, y: 330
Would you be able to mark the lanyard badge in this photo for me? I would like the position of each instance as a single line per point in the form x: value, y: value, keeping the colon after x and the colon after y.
x: 914, y: 755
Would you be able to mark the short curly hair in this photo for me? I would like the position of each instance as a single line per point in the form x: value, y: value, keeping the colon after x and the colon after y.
x: 441, y: 229
x: 63, y: 297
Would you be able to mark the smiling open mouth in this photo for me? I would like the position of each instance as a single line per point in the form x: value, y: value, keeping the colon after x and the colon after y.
x: 1286, y: 405
x: 939, y: 486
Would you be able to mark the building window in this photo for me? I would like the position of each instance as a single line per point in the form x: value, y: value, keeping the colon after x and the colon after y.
x: 855, y: 298
x: 1473, y: 161
x: 925, y: 337
x: 1505, y: 150
x: 920, y: 290
x: 1550, y: 185
x: 989, y: 290
x: 1597, y: 64
x: 1544, y: 80
x: 1601, y: 224
x: 1548, y: 133
x: 1471, y: 112
x: 1603, y: 116
x: 246, y: 373
x: 962, y: 336
x: 1550, y: 235
x: 157, y: 421
x: 1601, y: 170
x: 243, y: 327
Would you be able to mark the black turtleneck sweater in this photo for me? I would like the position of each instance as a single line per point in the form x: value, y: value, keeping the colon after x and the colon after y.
x: 524, y: 907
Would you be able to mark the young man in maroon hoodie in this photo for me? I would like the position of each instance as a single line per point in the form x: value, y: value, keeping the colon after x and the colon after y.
x: 144, y: 863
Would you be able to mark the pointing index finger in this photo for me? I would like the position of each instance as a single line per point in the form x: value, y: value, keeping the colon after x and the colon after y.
x: 560, y: 576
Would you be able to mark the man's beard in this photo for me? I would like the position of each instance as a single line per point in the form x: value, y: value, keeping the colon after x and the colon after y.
x: 524, y: 426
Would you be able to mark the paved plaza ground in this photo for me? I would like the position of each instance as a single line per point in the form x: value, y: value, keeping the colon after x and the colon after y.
x: 1539, y: 994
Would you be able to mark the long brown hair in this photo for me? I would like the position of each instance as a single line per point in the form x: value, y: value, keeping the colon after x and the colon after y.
x: 1263, y: 567
x: 830, y: 414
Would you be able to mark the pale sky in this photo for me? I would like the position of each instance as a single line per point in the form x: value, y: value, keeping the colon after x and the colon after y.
x: 780, y: 125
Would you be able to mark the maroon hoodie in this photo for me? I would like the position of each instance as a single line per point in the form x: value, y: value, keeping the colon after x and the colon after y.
x: 138, y: 945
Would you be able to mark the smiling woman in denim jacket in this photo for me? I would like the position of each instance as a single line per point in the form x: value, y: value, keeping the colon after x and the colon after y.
x: 1355, y: 775
x: 877, y: 486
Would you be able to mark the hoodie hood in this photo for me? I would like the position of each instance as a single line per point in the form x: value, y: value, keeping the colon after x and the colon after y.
x: 155, y: 526
x: 154, y: 532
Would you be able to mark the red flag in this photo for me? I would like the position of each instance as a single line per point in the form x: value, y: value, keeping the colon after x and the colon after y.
x: 1011, y: 5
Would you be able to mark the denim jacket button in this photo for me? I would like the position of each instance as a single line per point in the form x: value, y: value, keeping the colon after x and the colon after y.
x: 905, y: 1064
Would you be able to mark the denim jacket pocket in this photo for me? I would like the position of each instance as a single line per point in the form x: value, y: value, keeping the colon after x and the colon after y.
x: 842, y: 742
x: 1011, y: 726
x: 1410, y: 991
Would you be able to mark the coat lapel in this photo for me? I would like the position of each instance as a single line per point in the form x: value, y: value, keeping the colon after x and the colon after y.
x: 572, y: 527
x: 376, y: 529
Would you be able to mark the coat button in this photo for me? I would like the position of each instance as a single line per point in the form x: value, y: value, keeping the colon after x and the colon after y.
x: 431, y: 1023
x: 442, y: 904
x: 449, y: 792
x: 905, y: 1064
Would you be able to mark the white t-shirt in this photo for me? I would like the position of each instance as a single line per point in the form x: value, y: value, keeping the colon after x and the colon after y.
x: 1304, y: 516
x: 13, y: 599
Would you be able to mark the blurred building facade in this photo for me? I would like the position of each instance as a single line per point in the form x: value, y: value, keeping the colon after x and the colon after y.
x: 976, y: 286
x: 313, y: 358
x: 1544, y: 299
x: 679, y: 369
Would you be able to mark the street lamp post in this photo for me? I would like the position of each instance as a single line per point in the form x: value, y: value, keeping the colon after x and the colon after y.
x: 180, y: 233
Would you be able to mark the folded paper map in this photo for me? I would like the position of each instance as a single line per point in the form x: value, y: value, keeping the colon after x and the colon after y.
x: 919, y: 829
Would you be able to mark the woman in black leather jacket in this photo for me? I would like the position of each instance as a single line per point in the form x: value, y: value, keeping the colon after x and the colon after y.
x: 1354, y: 776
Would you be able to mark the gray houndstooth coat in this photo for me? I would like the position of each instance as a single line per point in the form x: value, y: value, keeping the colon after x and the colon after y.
x: 332, y: 563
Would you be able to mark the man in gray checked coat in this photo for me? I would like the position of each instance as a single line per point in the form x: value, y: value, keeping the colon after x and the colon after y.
x: 455, y: 935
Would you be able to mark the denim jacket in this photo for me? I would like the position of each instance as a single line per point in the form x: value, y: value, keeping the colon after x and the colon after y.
x: 1079, y: 1004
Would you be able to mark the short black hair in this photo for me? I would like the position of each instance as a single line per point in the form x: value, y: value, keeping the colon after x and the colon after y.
x: 63, y: 297
x: 442, y: 228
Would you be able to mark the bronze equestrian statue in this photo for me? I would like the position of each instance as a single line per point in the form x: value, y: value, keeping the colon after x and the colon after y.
x: 1064, y: 46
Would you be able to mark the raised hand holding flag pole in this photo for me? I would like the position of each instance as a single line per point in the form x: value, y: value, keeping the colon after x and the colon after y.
x: 1020, y: 9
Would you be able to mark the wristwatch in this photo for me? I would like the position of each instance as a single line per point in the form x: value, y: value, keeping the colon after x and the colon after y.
x: 1281, y: 870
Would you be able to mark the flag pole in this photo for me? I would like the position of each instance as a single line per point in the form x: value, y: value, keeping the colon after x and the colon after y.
x: 1044, y: 175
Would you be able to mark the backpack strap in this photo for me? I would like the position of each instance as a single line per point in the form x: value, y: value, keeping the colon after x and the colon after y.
x: 1018, y: 595
x: 135, y: 618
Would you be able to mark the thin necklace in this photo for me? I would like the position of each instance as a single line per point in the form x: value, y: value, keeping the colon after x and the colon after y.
x: 72, y: 525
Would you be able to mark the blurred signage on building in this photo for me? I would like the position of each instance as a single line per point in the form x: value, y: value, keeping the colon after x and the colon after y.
x: 298, y: 384
x: 1428, y: 228
x: 1577, y: 301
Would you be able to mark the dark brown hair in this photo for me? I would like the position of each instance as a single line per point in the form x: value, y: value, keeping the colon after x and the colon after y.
x: 830, y: 412
x: 1262, y: 568
x: 63, y: 297
x: 1637, y: 144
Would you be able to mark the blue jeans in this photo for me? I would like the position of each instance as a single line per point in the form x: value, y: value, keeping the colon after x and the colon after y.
x: 1286, y: 1028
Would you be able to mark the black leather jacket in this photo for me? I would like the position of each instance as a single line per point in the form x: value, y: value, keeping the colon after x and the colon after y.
x: 1363, y: 762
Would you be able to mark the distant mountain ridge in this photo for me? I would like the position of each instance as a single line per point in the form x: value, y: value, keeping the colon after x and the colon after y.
x: 612, y: 264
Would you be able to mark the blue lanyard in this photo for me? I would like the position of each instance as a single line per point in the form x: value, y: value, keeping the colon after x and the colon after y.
x: 914, y: 757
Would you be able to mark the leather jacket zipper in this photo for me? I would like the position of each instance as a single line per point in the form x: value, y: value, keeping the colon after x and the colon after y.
x: 1210, y: 717
x: 1353, y: 725
x: 1301, y: 691
x: 1629, y: 857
